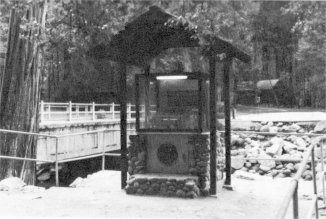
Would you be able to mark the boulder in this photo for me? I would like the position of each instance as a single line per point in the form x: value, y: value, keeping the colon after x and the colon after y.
x: 290, y: 167
x: 287, y: 172
x: 294, y: 128
x: 248, y: 140
x: 274, y: 173
x: 264, y: 128
x: 268, y: 163
x: 320, y: 127
x: 255, y: 144
x: 307, y: 175
x: 266, y: 144
x: 288, y: 146
x: 297, y: 155
x: 242, y: 151
x: 44, y: 176
x: 275, y: 149
x: 276, y: 140
x: 300, y: 142
x: 234, y: 152
x: 238, y: 163
x: 248, y: 164
x: 236, y: 140
x: 265, y: 168
x: 273, y: 129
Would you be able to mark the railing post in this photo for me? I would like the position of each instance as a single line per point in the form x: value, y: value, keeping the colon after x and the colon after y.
x: 314, y: 178
x: 77, y: 111
x: 49, y: 110
x: 295, y: 202
x: 93, y: 111
x: 42, y: 111
x: 322, y: 170
x: 103, y: 151
x: 56, y: 162
x: 113, y: 116
x: 129, y: 111
x: 70, y: 111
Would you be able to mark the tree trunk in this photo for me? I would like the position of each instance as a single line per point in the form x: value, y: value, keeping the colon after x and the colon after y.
x: 20, y: 93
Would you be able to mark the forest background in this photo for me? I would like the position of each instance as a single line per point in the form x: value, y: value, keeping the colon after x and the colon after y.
x: 286, y: 41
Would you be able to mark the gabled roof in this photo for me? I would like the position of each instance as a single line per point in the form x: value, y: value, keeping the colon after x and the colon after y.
x: 156, y: 30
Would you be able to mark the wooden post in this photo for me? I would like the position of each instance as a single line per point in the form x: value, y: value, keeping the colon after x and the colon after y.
x: 227, y: 136
x: 123, y: 123
x: 113, y: 116
x: 147, y: 104
x: 212, y: 114
x: 322, y: 170
x: 42, y: 111
x: 295, y: 202
x: 93, y: 111
x: 103, y: 150
x: 314, y: 178
x: 56, y: 162
x: 138, y: 108
x: 70, y: 111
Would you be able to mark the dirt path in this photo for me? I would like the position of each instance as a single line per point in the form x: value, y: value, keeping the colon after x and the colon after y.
x: 101, y: 196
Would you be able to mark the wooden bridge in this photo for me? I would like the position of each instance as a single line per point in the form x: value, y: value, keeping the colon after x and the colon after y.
x: 82, y: 130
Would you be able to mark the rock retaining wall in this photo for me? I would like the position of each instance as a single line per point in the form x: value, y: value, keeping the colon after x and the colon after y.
x: 199, y: 165
x: 246, y: 147
x: 148, y: 184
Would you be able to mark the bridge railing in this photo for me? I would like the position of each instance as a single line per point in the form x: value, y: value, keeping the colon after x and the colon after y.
x: 100, y: 146
x: 50, y: 112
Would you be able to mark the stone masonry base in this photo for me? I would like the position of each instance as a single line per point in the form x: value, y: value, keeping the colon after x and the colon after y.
x: 184, y: 186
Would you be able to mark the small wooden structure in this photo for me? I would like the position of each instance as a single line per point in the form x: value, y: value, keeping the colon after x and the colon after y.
x: 146, y: 37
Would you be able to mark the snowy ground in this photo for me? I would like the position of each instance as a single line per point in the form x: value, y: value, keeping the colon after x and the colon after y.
x: 100, y: 196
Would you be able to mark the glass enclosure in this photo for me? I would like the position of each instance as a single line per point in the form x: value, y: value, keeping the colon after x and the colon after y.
x: 177, y: 102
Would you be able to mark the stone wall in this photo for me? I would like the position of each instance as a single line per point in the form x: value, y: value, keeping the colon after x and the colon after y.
x: 164, y: 185
x: 195, y: 183
x: 136, y: 155
x: 200, y: 161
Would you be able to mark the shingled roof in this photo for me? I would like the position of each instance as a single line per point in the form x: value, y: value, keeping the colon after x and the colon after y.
x: 156, y: 30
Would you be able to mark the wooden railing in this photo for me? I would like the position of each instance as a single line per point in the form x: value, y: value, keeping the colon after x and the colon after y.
x: 292, y: 192
x: 100, y: 148
x: 50, y: 112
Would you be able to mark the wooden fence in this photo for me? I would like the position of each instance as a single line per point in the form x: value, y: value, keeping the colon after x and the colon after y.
x: 56, y: 112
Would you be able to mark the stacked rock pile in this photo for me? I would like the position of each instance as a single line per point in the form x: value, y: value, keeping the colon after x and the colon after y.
x: 184, y: 187
x: 251, y: 152
x: 136, y: 155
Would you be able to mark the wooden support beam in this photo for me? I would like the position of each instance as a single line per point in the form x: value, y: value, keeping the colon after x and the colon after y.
x: 212, y: 115
x: 147, y: 94
x: 227, y: 137
x: 123, y: 123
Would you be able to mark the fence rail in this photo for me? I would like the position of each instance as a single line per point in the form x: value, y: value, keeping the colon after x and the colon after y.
x: 99, y: 148
x: 50, y: 112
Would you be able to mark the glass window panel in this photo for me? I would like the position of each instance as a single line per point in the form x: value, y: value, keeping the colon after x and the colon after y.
x: 168, y: 104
